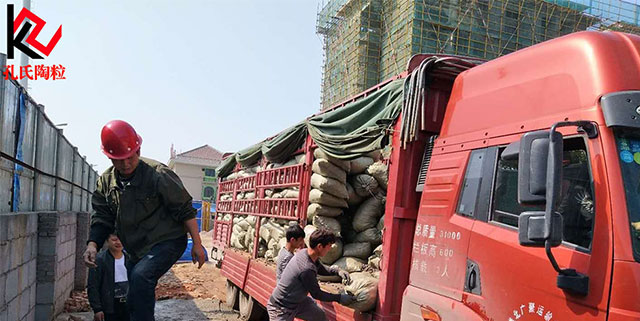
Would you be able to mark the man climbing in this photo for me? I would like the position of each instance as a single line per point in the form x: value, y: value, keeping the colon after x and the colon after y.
x: 146, y: 205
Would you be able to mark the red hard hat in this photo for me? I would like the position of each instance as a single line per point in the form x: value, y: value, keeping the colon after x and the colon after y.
x: 119, y: 140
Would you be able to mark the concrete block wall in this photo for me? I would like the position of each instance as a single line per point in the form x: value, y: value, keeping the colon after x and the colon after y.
x: 56, y: 262
x: 18, y: 253
x: 82, y: 236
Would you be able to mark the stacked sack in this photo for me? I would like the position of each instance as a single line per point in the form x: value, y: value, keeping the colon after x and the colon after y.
x: 243, y: 232
x: 362, y: 224
x: 295, y: 160
x: 246, y: 172
x: 272, y: 237
x: 328, y: 199
x: 348, y: 198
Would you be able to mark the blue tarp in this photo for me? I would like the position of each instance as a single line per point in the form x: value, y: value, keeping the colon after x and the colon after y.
x: 186, y: 256
x: 18, y: 168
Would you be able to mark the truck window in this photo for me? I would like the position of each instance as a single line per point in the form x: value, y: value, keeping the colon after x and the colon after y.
x: 472, y: 183
x: 576, y: 200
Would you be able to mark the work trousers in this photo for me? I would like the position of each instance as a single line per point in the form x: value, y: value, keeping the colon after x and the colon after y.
x: 120, y: 312
x: 307, y: 310
x: 144, y: 275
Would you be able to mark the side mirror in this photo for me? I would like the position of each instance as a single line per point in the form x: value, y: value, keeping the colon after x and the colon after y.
x: 539, y: 179
x: 532, y: 167
x: 531, y: 229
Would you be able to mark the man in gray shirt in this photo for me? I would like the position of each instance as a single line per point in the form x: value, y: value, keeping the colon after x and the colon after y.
x: 290, y: 299
x: 295, y: 240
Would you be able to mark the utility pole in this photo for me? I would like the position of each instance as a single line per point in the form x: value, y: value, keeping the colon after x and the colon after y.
x: 24, y: 61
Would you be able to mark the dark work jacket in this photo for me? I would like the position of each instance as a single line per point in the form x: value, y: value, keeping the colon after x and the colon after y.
x: 150, y: 209
x: 101, y: 283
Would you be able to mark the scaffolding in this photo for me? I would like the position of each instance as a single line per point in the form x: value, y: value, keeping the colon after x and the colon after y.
x: 368, y: 41
x: 352, y: 39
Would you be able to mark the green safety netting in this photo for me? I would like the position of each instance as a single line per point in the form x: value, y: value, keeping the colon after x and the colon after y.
x: 358, y: 127
x: 280, y: 148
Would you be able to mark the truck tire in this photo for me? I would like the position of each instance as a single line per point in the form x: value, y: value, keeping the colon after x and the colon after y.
x: 250, y: 310
x: 232, y: 296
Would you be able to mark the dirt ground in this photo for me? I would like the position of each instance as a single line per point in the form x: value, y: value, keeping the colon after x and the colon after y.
x: 183, y: 293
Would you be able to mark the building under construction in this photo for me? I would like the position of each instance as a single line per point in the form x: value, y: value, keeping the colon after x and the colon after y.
x: 368, y: 41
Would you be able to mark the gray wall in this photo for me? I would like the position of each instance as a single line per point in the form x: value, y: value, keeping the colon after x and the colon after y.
x: 18, y: 250
x: 42, y: 266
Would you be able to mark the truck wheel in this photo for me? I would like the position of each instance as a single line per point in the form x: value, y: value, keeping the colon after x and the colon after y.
x: 232, y: 295
x: 250, y: 310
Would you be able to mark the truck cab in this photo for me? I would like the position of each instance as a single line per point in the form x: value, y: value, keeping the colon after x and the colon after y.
x: 530, y: 207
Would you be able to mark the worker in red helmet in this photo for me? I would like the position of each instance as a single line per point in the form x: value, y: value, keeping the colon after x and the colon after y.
x: 145, y: 204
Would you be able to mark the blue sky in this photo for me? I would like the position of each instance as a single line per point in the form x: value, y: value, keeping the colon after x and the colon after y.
x: 223, y: 73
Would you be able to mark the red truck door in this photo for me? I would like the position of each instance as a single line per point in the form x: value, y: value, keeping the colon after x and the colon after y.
x: 506, y: 281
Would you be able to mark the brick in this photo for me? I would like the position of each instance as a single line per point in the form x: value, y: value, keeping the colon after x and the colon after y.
x: 11, y: 286
x: 17, y: 226
x: 13, y: 309
x: 23, y: 278
x: 45, y: 293
x: 32, y: 297
x: 5, y: 254
x: 24, y: 303
x: 44, y: 312
x: 32, y: 224
x: 34, y: 246
x: 26, y: 252
x: 31, y: 268
x: 46, y: 246
x: 3, y: 284
x: 17, y: 252
x: 4, y: 228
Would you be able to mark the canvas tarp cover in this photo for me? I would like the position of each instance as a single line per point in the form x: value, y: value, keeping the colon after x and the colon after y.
x: 345, y: 133
x: 280, y: 148
x: 358, y: 127
x: 249, y: 156
x: 227, y: 165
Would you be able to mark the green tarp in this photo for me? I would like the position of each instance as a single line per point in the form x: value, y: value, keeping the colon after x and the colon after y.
x: 227, y: 165
x: 347, y: 132
x: 280, y: 148
x: 249, y: 156
x: 358, y: 127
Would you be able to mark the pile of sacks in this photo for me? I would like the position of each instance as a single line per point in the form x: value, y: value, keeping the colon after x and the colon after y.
x: 348, y: 198
x: 272, y: 235
x: 295, y: 160
x: 246, y: 172
x: 242, y: 235
x: 291, y: 192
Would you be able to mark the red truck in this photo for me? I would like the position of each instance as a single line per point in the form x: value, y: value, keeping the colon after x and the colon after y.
x: 513, y: 189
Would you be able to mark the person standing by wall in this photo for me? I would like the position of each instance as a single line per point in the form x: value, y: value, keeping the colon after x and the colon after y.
x: 108, y: 283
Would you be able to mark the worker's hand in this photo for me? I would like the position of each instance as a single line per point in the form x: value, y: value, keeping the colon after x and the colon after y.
x: 99, y: 316
x: 89, y: 255
x: 197, y: 254
x: 346, y: 298
x: 346, y: 278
